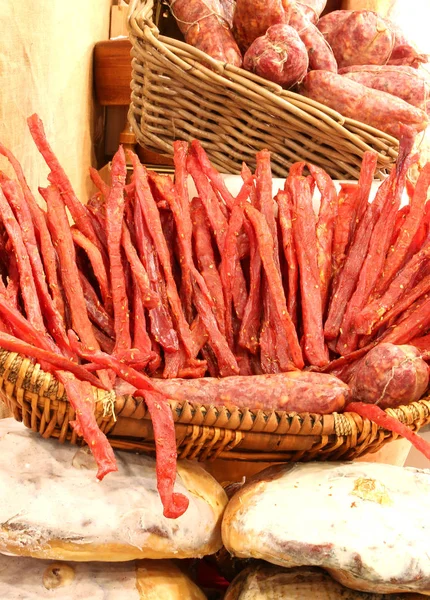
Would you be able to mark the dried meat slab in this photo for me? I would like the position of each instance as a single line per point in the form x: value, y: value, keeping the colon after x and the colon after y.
x: 301, y: 583
x: 53, y: 507
x: 366, y: 523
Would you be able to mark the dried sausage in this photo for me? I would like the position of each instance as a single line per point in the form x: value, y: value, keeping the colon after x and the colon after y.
x: 205, y: 27
x: 278, y: 56
x: 252, y: 18
x: 330, y: 22
x: 295, y: 391
x: 320, y: 53
x: 361, y: 37
x: 228, y: 7
x: 403, y: 52
x: 312, y: 8
x: 390, y: 376
x: 398, y: 80
x: 356, y: 101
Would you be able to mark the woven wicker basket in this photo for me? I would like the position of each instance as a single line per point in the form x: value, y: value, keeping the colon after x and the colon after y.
x: 203, y: 432
x: 179, y: 92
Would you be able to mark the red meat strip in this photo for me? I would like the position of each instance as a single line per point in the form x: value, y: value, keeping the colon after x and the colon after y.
x: 160, y: 319
x: 410, y: 227
x: 162, y: 420
x: 59, y: 178
x: 378, y: 247
x: 53, y: 317
x: 306, y: 248
x: 46, y: 247
x: 149, y: 298
x: 206, y: 260
x: 97, y: 264
x: 27, y: 285
x: 385, y: 421
x: 265, y: 245
x: 152, y: 218
x: 325, y: 228
x: 251, y: 322
x: 114, y: 219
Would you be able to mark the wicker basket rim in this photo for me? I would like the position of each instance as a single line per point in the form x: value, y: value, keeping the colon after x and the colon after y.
x: 27, y: 377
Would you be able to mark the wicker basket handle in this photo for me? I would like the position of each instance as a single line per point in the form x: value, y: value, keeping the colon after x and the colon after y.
x: 140, y: 17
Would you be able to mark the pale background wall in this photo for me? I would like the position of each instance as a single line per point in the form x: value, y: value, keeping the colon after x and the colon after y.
x: 46, y: 67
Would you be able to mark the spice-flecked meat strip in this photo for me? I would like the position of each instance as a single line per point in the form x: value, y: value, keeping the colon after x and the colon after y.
x: 368, y: 318
x: 180, y: 153
x: 379, y: 244
x: 325, y: 228
x: 251, y: 322
x: 348, y: 277
x: 63, y: 241
x: 149, y: 298
x: 95, y: 309
x: 212, y: 174
x: 347, y: 206
x: 57, y: 361
x: 152, y: 217
x: 182, y: 219
x: 415, y: 323
x: 226, y: 361
x: 409, y: 228
x: 219, y: 225
x: 81, y: 397
x: 273, y: 341
x: 265, y: 245
x: 286, y: 224
x: 26, y: 280
x: 96, y: 259
x: 47, y: 250
x: 206, y: 260
x: 420, y: 289
x: 230, y: 262
x: 161, y: 324
x: 114, y: 219
x: 59, y: 178
x: 164, y: 428
x: 380, y: 417
x: 306, y: 249
x: 54, y: 319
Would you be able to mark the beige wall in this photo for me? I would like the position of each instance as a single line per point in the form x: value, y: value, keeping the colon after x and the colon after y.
x: 46, y: 67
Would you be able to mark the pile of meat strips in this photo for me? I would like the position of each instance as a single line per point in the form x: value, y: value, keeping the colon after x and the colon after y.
x: 251, y: 300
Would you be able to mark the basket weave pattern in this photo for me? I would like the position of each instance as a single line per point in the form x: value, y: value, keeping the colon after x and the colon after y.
x: 202, y: 432
x: 179, y: 92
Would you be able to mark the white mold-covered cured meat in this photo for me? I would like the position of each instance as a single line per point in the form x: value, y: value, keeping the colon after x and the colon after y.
x: 366, y: 523
x: 52, y: 506
x: 267, y: 582
x: 33, y: 579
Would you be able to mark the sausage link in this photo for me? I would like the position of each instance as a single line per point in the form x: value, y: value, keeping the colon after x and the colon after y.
x: 204, y: 25
x: 295, y: 391
x: 356, y: 101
